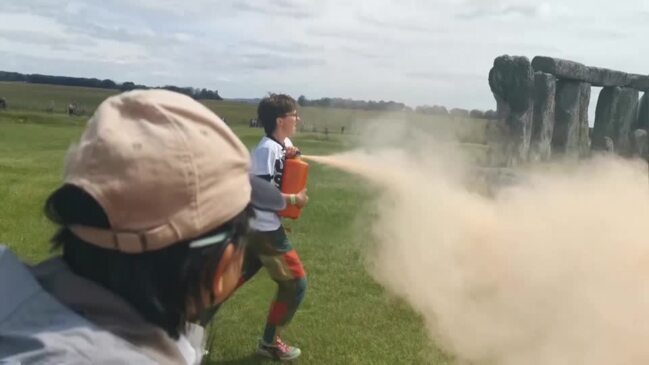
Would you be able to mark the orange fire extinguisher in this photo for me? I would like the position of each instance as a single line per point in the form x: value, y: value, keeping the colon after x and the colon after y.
x: 294, y: 179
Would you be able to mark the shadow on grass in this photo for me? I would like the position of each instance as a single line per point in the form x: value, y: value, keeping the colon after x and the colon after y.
x: 251, y: 359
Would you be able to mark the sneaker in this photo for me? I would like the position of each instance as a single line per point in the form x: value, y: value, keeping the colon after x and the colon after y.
x: 278, y: 351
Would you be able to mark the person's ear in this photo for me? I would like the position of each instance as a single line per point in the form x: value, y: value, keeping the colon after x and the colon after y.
x: 228, y: 273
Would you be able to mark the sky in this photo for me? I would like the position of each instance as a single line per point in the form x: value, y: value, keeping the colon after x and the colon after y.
x: 417, y: 52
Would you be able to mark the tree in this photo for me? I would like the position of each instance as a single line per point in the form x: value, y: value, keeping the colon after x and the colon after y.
x: 108, y: 84
x: 126, y: 86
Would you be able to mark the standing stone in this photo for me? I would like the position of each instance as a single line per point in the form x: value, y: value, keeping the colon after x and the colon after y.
x: 604, y: 112
x: 640, y: 143
x: 543, y: 117
x: 625, y: 117
x: 615, y: 116
x: 643, y: 113
x: 565, y: 139
x: 609, y: 146
x: 584, y: 128
x: 511, y: 80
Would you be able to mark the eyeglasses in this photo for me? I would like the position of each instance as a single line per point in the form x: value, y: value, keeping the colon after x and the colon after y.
x: 218, y: 238
x: 229, y: 267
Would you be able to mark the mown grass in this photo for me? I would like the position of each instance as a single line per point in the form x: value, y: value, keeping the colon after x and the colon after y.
x: 346, y: 318
x: 31, y: 161
x: 40, y: 98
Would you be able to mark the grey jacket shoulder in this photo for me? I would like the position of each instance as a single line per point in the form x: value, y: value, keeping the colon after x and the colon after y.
x: 35, y: 328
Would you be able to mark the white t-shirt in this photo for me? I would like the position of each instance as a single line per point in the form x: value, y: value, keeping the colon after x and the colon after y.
x: 268, y: 162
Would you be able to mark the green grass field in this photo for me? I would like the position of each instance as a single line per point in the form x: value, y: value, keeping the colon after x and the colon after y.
x: 346, y: 317
x: 40, y: 98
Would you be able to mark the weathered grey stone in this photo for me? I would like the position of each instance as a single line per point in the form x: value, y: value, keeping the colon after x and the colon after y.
x: 614, y: 117
x: 459, y: 112
x: 643, y: 113
x: 625, y: 117
x: 543, y: 117
x: 640, y: 143
x: 605, y: 77
x: 639, y: 82
x: 511, y: 80
x: 609, y: 145
x: 584, y: 128
x: 571, y: 70
x: 604, y: 113
x: 565, y: 137
x: 561, y: 68
x: 476, y: 114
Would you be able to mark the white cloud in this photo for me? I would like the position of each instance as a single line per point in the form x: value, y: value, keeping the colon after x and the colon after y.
x: 24, y: 22
x: 414, y: 51
x: 39, y: 36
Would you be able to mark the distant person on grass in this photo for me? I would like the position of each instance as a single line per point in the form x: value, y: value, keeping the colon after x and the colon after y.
x: 268, y: 245
x: 152, y: 217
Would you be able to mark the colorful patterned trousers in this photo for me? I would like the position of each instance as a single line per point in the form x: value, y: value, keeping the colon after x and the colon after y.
x: 273, y: 251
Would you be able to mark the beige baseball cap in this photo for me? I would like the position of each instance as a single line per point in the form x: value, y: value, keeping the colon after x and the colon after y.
x: 164, y: 168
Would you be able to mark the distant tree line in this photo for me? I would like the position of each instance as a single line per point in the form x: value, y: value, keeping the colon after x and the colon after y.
x: 353, y: 104
x: 395, y: 106
x: 104, y: 84
x: 457, y: 112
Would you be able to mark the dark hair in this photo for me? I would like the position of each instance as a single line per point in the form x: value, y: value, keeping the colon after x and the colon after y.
x: 272, y: 107
x: 157, y: 284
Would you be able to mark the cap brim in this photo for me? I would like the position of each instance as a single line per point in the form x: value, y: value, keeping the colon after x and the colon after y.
x: 265, y: 196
